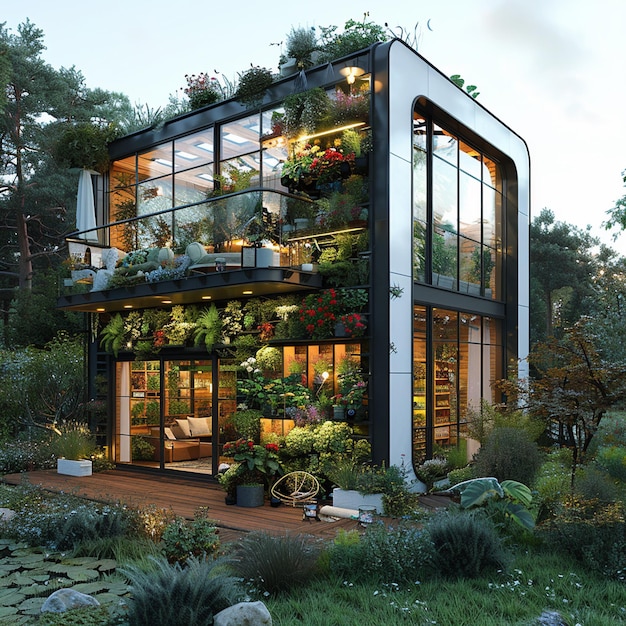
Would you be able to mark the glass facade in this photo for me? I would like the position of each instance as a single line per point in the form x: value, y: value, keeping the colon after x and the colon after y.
x: 457, y: 213
x: 456, y: 356
x: 458, y: 222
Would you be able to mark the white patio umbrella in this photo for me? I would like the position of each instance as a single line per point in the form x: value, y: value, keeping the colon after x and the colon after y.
x: 85, y: 207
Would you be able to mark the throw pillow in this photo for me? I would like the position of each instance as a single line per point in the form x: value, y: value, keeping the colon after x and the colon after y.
x: 199, y: 426
x: 184, y: 426
x: 169, y: 434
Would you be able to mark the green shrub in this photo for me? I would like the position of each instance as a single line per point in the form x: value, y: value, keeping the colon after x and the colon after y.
x: 592, y: 533
x: 247, y: 423
x: 274, y: 563
x: 462, y: 474
x: 592, y: 483
x: 177, y: 595
x: 552, y: 484
x: 385, y: 555
x: 509, y: 454
x: 141, y: 449
x: 613, y: 460
x: 466, y: 545
x: 185, y: 539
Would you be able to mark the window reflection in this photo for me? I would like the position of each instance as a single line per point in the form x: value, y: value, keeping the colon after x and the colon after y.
x: 465, y: 209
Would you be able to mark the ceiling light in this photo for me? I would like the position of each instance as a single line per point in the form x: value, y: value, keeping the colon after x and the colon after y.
x: 186, y: 155
x: 351, y: 72
x: 205, y: 146
x: 206, y: 297
x: 235, y: 138
x: 166, y: 302
x: 247, y: 293
x: 100, y: 310
x: 163, y: 162
x: 128, y: 306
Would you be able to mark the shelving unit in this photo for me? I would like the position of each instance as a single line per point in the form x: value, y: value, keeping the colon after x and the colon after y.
x: 441, y: 403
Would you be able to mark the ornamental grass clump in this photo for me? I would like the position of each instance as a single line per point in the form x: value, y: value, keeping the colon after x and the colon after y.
x: 179, y: 595
x: 465, y: 545
x: 73, y: 441
x: 275, y: 563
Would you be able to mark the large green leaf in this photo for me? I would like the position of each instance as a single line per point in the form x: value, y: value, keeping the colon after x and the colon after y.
x: 521, y: 515
x: 517, y: 491
x: 476, y: 491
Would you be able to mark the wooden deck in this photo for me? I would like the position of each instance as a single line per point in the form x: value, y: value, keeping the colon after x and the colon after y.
x: 183, y: 496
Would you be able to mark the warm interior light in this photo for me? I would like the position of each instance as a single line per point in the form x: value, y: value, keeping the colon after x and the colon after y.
x: 247, y: 293
x: 166, y: 302
x: 351, y: 73
x: 128, y: 306
x: 206, y: 297
x: 100, y: 310
x: 332, y: 131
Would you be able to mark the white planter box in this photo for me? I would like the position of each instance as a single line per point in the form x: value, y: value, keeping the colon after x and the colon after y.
x: 74, y: 468
x: 350, y: 499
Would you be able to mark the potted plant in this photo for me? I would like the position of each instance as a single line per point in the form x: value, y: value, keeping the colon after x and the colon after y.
x: 361, y: 486
x: 73, y: 444
x: 254, y: 470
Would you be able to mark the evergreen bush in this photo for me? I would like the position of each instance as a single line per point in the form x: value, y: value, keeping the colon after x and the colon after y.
x: 509, y: 454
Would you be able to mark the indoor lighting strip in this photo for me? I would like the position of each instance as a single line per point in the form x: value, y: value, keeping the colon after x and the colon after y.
x: 332, y: 131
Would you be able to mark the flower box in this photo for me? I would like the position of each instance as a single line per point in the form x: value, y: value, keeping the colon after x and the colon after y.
x: 351, y: 499
x: 71, y: 467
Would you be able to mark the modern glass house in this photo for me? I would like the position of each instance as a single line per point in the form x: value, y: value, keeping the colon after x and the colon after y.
x: 364, y: 222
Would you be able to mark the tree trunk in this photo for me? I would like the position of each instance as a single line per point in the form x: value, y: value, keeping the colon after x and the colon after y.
x: 25, y: 260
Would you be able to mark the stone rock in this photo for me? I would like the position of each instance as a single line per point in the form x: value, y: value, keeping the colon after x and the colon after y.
x: 551, y: 618
x: 6, y: 514
x: 66, y: 599
x: 244, y: 614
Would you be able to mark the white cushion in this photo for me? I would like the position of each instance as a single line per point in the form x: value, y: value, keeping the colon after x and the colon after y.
x: 169, y: 434
x: 199, y: 426
x: 184, y: 426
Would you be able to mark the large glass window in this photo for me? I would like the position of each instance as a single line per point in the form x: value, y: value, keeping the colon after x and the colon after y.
x: 457, y: 212
x: 452, y: 377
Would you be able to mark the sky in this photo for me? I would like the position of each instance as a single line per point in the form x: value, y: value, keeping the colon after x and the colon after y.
x: 549, y: 69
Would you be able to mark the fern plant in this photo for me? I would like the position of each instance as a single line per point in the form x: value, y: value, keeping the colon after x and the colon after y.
x: 208, y: 328
x: 113, y: 334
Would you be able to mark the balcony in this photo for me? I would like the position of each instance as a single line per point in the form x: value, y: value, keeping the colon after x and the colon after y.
x: 257, y: 242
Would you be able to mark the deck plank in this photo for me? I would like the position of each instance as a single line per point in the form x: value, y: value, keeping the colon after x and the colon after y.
x: 182, y: 496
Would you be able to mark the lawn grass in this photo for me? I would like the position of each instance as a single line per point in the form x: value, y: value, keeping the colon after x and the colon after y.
x: 538, y: 582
